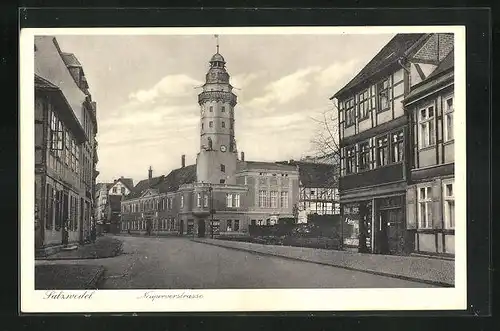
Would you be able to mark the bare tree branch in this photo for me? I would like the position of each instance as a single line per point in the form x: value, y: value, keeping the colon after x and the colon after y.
x: 325, y: 143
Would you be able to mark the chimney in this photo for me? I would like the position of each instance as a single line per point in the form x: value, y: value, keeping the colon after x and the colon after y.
x: 242, y: 156
x: 183, y: 161
x: 150, y: 173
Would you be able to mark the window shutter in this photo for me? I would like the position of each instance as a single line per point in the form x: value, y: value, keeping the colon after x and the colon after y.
x: 411, y: 208
x: 437, y: 213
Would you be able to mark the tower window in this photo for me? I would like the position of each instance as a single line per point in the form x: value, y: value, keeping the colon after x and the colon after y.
x: 202, y: 126
x: 223, y: 124
x: 222, y: 168
x: 211, y: 124
x: 223, y: 109
x: 211, y: 108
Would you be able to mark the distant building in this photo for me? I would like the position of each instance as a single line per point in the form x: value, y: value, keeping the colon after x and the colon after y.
x: 220, y: 193
x: 65, y: 154
x: 113, y: 214
x: 121, y: 186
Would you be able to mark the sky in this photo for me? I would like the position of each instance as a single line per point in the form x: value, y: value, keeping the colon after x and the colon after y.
x: 146, y: 91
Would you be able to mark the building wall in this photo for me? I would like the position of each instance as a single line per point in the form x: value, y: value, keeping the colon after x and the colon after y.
x: 117, y: 188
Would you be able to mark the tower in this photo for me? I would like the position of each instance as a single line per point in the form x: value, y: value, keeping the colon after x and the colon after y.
x: 216, y: 161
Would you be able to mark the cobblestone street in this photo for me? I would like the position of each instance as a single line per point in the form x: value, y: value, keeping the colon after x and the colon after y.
x: 175, y: 263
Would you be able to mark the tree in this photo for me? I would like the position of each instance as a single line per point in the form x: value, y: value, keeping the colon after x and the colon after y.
x: 326, y: 141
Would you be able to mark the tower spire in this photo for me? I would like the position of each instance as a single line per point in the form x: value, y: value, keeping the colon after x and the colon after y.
x: 217, y: 39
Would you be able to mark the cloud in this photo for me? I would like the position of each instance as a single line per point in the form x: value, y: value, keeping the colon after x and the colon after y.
x: 338, y: 74
x: 169, y: 86
x: 284, y: 89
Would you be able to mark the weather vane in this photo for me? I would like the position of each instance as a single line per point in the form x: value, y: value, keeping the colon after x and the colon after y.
x: 217, y: 38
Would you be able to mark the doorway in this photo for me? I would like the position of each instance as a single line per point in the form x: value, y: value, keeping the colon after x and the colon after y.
x: 390, y: 231
x: 201, y: 228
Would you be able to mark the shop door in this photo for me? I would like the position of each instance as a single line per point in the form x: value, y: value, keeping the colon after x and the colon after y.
x: 391, y: 231
x: 201, y: 228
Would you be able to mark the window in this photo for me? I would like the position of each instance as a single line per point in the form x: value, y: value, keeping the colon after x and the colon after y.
x: 426, y: 123
x: 397, y: 146
x: 182, y: 201
x: 198, y: 199
x: 274, y: 199
x: 236, y: 200
x: 448, y: 119
x: 284, y: 200
x: 363, y: 106
x: 67, y: 148
x: 223, y: 124
x: 262, y: 199
x: 382, y: 151
x: 229, y: 200
x: 222, y: 168
x: 236, y: 225
x: 115, y: 189
x: 222, y: 181
x: 202, y: 126
x: 211, y: 124
x: 223, y: 109
x: 383, y: 95
x: 364, y: 156
x: 210, y: 143
x: 350, y: 160
x: 211, y: 109
x: 449, y: 204
x: 229, y: 226
x: 425, y: 207
x: 253, y: 222
x: 205, y: 200
x: 349, y: 112
x: 123, y: 190
x: 56, y: 134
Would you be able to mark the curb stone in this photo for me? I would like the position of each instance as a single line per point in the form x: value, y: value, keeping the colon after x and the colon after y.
x: 377, y: 273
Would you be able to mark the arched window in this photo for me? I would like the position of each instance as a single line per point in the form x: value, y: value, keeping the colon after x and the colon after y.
x: 209, y: 143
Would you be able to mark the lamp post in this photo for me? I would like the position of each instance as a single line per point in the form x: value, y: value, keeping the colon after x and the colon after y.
x: 210, y: 189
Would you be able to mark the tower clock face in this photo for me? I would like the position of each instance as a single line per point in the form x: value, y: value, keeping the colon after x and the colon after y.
x: 223, y: 148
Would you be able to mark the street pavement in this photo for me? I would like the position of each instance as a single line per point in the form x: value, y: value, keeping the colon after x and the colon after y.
x: 179, y: 263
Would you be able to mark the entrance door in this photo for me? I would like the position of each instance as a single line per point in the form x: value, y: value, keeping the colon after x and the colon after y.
x: 391, y: 231
x: 65, y: 216
x: 201, y: 228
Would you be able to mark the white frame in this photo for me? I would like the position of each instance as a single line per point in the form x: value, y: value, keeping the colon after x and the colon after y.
x: 284, y: 199
x: 236, y: 200
x: 427, y: 202
x: 229, y: 200
x: 447, y: 112
x: 428, y: 121
x: 447, y: 198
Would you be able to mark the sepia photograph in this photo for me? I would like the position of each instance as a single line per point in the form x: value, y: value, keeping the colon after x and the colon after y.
x: 258, y: 162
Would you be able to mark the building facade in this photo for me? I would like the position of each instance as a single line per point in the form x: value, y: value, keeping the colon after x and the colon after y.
x: 121, y: 186
x: 430, y: 105
x: 65, y: 157
x: 221, y: 193
x: 374, y: 135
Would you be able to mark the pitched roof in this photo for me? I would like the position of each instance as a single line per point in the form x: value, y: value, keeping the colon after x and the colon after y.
x: 143, y: 185
x: 176, y: 178
x: 442, y: 75
x: 316, y: 174
x: 396, y: 48
x: 41, y: 83
x: 114, y: 202
x: 257, y: 165
x: 128, y: 182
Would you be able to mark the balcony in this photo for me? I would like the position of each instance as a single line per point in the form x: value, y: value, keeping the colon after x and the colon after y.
x: 217, y: 96
x: 388, y: 174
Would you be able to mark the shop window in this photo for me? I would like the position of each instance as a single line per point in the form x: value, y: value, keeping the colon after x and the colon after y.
x: 425, y: 207
x: 229, y: 226
x: 350, y: 160
x: 426, y: 124
x: 236, y: 225
x: 364, y: 156
x: 382, y: 151
x: 449, y: 204
x: 448, y: 119
x: 397, y: 141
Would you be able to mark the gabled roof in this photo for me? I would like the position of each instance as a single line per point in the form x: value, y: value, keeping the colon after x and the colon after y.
x: 441, y: 76
x: 178, y: 177
x: 258, y: 165
x: 144, y: 185
x: 114, y: 202
x: 395, y: 49
x: 128, y: 182
x: 41, y: 83
x: 319, y: 175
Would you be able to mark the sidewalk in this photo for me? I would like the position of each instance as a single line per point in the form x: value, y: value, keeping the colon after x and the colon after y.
x: 67, y: 277
x: 419, y: 269
x: 102, y: 248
